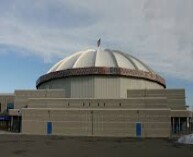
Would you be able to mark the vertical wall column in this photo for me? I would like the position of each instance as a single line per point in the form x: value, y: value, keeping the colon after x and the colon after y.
x: 179, y: 128
x: 11, y: 127
x: 173, y: 125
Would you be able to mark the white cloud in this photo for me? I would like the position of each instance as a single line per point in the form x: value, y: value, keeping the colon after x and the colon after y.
x: 158, y: 32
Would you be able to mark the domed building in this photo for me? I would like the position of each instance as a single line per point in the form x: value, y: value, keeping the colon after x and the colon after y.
x: 98, y: 92
x: 100, y: 74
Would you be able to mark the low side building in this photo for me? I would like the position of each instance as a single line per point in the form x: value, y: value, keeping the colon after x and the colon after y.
x: 107, y: 117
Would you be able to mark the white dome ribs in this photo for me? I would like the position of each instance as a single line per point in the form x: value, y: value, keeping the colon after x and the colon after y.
x: 100, y: 58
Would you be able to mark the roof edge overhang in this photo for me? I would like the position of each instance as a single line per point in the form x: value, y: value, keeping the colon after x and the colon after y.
x: 111, y: 71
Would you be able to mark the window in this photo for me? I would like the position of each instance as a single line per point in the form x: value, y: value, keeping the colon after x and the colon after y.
x: 10, y: 106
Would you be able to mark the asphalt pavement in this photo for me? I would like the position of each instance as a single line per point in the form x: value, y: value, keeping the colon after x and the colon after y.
x: 18, y: 145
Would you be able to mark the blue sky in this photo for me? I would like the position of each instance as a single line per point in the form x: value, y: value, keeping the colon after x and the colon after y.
x: 34, y: 34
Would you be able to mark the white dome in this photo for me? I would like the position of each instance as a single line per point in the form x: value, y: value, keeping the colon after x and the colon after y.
x: 100, y: 58
x: 99, y: 63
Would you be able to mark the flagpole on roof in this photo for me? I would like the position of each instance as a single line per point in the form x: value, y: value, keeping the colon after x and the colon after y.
x: 99, y: 43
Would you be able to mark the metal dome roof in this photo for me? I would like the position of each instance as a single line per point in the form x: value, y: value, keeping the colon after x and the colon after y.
x: 100, y: 58
x: 100, y: 62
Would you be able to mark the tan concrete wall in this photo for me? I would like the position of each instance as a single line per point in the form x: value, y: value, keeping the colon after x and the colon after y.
x: 156, y: 123
x: 133, y: 103
x: 175, y: 97
x: 34, y: 121
x: 97, y: 122
x: 65, y: 122
x: 22, y: 96
x: 181, y: 113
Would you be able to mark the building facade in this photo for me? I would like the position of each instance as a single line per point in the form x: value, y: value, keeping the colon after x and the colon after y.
x: 99, y: 93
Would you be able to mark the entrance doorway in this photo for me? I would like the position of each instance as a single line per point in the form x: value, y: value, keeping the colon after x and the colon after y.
x: 138, y: 129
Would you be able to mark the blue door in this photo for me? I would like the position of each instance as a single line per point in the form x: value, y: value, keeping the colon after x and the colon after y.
x: 49, y: 128
x: 138, y: 129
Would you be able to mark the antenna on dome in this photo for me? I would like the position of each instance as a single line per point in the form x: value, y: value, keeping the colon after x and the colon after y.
x: 99, y: 42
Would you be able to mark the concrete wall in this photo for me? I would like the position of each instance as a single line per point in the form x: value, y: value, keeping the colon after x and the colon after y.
x: 158, y: 103
x: 97, y: 117
x: 97, y: 122
x: 100, y: 116
x: 99, y: 86
x: 22, y: 96
x: 175, y: 97
x: 181, y: 113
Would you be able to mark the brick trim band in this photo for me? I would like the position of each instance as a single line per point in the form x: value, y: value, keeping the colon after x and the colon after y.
x: 100, y: 71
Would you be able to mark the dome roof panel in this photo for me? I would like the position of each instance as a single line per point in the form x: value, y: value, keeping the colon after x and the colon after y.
x: 87, y: 59
x: 100, y: 58
x: 104, y: 58
x: 69, y: 62
x: 55, y: 66
x: 139, y: 64
x: 123, y: 61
